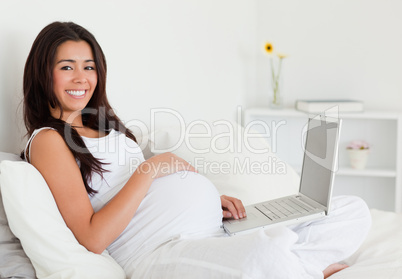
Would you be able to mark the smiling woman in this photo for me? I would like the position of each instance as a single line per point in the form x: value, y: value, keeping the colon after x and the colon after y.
x: 161, y: 210
x: 74, y: 80
x: 64, y: 60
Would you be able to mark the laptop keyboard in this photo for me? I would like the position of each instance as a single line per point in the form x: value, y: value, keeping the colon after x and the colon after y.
x: 283, y: 208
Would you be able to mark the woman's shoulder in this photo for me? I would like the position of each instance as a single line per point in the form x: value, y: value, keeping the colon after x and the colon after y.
x: 43, y: 141
x: 44, y: 135
x: 47, y: 135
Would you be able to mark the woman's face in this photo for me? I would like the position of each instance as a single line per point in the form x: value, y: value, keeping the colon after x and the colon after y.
x: 74, y: 78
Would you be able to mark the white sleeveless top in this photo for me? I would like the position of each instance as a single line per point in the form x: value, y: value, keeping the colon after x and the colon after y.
x: 184, y: 204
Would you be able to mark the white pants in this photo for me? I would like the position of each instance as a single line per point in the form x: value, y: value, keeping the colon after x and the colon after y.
x: 298, y: 251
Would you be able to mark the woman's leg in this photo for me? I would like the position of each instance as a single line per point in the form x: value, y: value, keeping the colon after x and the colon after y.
x: 257, y: 255
x: 335, y: 237
x: 303, y: 251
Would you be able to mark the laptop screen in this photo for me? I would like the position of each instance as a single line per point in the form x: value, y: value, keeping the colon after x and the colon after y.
x: 320, y: 158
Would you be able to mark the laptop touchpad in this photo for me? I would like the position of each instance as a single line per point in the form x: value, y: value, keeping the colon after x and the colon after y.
x: 250, y: 216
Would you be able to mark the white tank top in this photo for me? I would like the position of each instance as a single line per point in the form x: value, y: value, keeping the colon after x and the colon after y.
x: 120, y: 157
x: 184, y: 204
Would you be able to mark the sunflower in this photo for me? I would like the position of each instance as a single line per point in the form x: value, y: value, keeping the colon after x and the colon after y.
x: 269, y: 48
x: 276, y: 59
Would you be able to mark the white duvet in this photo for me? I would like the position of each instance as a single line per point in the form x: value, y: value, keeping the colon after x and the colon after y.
x: 380, y: 256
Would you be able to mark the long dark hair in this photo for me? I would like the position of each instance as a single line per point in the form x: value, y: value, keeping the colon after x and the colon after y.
x: 39, y: 95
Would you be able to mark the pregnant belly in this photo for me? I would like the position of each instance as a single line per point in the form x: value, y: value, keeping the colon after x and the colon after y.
x: 183, y: 203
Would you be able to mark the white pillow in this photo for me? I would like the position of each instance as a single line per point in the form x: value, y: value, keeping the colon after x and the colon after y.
x: 14, y: 263
x: 34, y: 218
x: 9, y: 156
x: 237, y: 160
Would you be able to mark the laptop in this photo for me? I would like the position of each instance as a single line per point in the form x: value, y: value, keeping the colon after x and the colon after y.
x: 316, y: 183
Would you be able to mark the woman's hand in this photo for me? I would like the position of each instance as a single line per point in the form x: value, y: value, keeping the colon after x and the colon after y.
x: 164, y: 164
x: 232, y: 208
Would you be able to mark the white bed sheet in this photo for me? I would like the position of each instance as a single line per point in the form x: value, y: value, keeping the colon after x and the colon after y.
x: 380, y: 256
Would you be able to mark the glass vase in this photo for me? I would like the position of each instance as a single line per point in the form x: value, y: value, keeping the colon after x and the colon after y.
x: 276, y: 98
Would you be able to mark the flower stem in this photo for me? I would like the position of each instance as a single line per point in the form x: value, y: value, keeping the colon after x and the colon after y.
x: 275, y: 79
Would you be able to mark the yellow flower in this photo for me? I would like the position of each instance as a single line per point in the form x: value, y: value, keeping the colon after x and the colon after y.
x: 276, y: 65
x: 269, y: 48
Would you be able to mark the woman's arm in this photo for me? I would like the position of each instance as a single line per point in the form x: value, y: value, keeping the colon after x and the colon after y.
x: 51, y: 156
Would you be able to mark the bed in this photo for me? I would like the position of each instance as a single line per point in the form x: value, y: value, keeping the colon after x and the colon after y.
x: 35, y: 243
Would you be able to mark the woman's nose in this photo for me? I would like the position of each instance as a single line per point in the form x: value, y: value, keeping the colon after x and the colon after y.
x: 80, y: 77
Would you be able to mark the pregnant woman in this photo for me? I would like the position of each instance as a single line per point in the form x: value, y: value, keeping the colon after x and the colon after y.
x: 155, y: 216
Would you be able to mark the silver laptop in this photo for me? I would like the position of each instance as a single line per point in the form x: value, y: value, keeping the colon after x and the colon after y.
x: 316, y: 183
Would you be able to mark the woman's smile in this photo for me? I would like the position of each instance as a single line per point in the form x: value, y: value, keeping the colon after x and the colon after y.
x: 76, y: 93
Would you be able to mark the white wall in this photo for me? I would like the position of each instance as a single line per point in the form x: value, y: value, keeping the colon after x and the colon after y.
x: 338, y: 49
x: 204, y: 58
x: 190, y: 56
